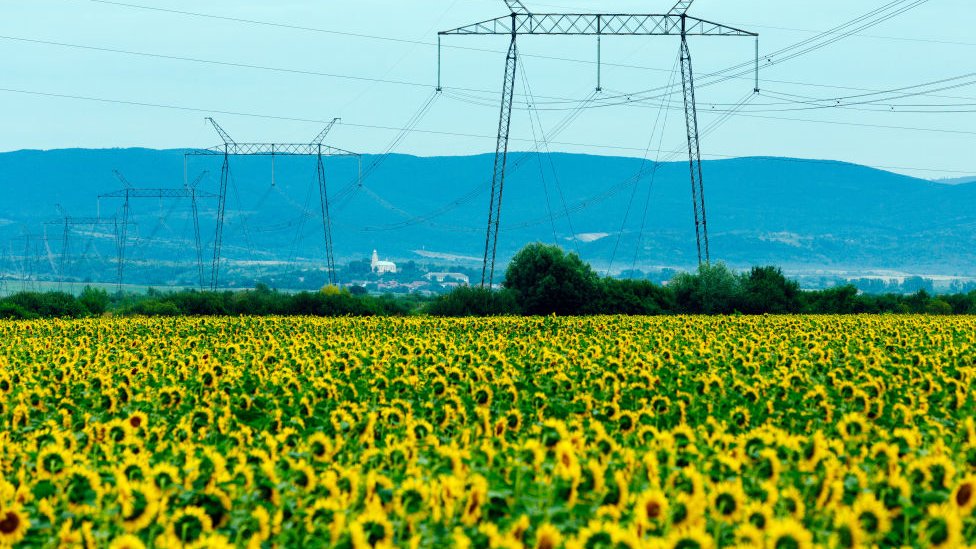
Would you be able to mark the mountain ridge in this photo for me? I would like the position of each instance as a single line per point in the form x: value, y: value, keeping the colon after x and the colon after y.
x: 803, y: 214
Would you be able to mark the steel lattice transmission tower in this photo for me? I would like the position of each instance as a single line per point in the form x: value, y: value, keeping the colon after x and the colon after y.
x: 523, y: 22
x: 69, y: 222
x: 128, y: 192
x: 232, y: 148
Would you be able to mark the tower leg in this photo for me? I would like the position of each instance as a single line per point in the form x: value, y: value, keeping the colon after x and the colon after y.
x: 694, y: 154
x: 498, y: 176
x: 196, y: 236
x: 326, y: 220
x: 122, y: 236
x: 64, y: 256
x: 221, y: 204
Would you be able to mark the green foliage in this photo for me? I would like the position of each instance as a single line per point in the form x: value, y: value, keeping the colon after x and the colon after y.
x: 474, y: 301
x: 714, y: 289
x: 841, y: 300
x: 767, y: 290
x: 546, y: 280
x: 632, y: 297
x: 49, y: 304
x: 95, y: 300
x: 11, y: 311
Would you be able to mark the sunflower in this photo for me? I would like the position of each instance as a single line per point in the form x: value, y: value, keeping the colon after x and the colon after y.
x: 477, y: 495
x: 651, y: 509
x: 14, y: 524
x: 516, y: 531
x: 626, y: 422
x: 140, y: 504
x: 740, y: 417
x: 853, y: 427
x: 595, y: 534
x: 320, y: 446
x: 687, y: 481
x: 964, y: 496
x: 52, y: 462
x: 189, y: 524
x: 372, y: 529
x: 379, y: 490
x: 727, y: 500
x: 165, y: 476
x: 814, y: 450
x: 942, y: 527
x: 788, y: 533
x: 747, y: 535
x: 324, y: 514
x: 134, y: 467
x: 848, y: 533
x: 757, y: 514
x: 689, y: 538
x: 941, y: 471
x: 687, y: 512
x: 127, y: 541
x: 567, y: 465
x: 482, y: 395
x: 83, y: 490
x: 791, y: 501
x: 547, y: 536
x: 137, y: 421
x: 872, y: 515
x: 304, y: 476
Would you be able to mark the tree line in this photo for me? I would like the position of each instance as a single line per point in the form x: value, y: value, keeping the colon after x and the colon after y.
x: 540, y: 280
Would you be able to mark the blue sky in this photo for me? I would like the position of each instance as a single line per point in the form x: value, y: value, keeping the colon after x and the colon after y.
x: 330, y: 69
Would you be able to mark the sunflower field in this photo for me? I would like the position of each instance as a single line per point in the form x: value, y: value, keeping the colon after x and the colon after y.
x: 683, y: 432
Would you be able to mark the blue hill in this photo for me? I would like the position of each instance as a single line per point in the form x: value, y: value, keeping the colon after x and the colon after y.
x: 803, y: 215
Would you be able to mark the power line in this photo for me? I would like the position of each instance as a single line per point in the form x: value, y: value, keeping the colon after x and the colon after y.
x: 430, y: 44
x: 445, y: 133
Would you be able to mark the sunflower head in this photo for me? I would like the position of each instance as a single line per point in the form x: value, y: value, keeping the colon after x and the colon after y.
x: 941, y: 527
x: 189, y: 524
x: 13, y: 525
x: 547, y: 536
x: 788, y: 533
x: 964, y: 496
x: 127, y: 541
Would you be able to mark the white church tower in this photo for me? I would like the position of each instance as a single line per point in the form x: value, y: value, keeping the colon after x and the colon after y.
x: 381, y: 267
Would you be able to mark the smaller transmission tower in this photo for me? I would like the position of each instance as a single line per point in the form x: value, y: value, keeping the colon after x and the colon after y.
x: 129, y: 192
x: 5, y: 262
x: 28, y: 262
x: 68, y: 222
x: 315, y: 148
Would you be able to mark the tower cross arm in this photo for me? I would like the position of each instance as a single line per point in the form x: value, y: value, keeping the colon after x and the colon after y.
x: 681, y: 7
x: 321, y: 136
x: 158, y: 193
x: 268, y: 149
x: 579, y: 24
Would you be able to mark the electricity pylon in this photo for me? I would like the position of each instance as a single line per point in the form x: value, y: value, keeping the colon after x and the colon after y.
x: 70, y: 221
x: 128, y: 192
x: 232, y: 148
x: 523, y: 22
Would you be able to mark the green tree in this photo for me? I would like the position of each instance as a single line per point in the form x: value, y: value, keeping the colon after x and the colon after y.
x: 96, y: 301
x: 767, y: 290
x: 713, y: 289
x: 633, y: 297
x: 546, y: 280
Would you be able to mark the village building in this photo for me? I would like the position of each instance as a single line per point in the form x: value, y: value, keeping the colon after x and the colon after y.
x: 381, y: 267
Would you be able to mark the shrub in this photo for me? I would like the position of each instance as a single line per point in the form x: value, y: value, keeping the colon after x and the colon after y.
x: 95, y: 300
x: 474, y: 301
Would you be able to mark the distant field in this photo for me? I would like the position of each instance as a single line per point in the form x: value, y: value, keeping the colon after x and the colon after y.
x: 689, y: 432
x: 75, y: 288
